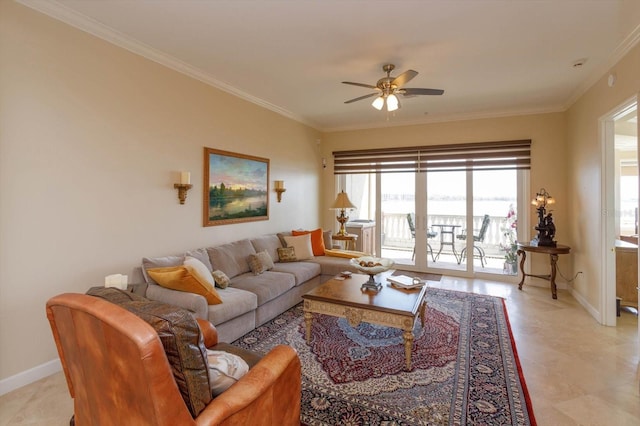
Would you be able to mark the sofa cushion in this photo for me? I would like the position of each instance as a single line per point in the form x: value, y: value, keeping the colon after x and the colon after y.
x: 270, y: 243
x: 260, y: 262
x: 185, y: 278
x: 181, y: 338
x: 281, y: 236
x: 266, y: 286
x: 159, y: 262
x: 328, y: 241
x: 317, y: 240
x: 231, y: 258
x: 235, y: 302
x: 302, y: 271
x: 301, y: 244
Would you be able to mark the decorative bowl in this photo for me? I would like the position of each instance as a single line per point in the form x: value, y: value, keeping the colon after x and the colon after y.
x: 377, y: 264
x: 371, y: 266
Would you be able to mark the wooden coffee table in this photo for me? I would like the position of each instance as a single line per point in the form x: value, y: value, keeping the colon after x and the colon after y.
x: 389, y: 307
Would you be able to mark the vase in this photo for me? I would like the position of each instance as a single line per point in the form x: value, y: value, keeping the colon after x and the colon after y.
x: 510, y: 268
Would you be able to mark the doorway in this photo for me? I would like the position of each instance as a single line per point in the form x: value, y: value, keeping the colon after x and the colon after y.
x: 621, y: 195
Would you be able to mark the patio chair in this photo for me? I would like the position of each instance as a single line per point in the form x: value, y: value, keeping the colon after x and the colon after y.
x: 477, y: 238
x: 430, y: 234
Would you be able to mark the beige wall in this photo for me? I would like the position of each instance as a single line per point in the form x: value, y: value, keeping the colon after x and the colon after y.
x: 548, y: 156
x: 585, y: 172
x: 92, y: 138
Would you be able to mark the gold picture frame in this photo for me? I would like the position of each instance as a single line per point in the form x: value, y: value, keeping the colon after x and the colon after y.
x: 236, y: 188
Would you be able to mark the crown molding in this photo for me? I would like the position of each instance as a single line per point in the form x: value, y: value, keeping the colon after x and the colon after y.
x: 444, y: 118
x: 84, y: 23
x: 623, y: 48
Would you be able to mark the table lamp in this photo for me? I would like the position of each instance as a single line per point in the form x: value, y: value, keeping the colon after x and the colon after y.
x: 546, y: 228
x: 342, y: 203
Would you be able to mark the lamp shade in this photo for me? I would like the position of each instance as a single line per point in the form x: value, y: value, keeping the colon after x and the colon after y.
x: 543, y: 198
x: 342, y: 202
x: 378, y: 103
x: 392, y: 103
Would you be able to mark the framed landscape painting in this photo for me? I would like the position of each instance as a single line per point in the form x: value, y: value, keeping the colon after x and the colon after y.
x: 236, y: 188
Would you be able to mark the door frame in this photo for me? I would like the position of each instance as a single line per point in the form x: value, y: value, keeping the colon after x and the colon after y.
x: 607, y: 308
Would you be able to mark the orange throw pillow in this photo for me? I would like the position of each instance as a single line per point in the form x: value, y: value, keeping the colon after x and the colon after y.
x: 182, y: 278
x: 317, y: 241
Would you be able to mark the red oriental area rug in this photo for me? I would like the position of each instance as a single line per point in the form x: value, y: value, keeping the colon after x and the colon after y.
x: 465, y: 369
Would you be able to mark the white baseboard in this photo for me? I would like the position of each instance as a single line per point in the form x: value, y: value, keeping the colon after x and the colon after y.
x: 29, y: 376
x: 583, y: 302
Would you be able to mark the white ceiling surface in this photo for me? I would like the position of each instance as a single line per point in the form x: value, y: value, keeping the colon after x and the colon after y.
x: 492, y: 58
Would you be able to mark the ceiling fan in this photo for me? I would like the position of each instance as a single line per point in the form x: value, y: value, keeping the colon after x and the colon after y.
x: 387, y: 89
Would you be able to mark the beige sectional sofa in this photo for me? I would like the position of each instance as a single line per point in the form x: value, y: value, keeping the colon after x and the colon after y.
x: 250, y: 300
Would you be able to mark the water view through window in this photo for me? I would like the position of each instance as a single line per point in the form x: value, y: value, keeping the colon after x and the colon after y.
x: 445, y: 203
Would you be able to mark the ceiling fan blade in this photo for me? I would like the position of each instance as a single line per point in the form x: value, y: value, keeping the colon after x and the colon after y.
x: 359, y: 98
x: 360, y: 84
x: 404, y: 78
x: 410, y: 92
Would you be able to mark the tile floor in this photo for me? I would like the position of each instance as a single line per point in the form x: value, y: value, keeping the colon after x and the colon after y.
x: 577, y: 371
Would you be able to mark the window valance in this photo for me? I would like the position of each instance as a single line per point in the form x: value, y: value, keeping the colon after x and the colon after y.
x: 502, y: 155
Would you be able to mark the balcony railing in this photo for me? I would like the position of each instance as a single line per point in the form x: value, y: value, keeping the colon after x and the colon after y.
x: 396, y: 232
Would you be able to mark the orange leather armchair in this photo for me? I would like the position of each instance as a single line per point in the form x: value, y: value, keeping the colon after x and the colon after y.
x: 118, y: 374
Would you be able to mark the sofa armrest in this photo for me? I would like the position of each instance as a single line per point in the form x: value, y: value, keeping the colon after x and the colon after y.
x: 209, y: 332
x: 269, y: 394
x: 191, y: 301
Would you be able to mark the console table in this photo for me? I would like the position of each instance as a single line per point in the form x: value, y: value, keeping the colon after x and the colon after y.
x: 553, y: 253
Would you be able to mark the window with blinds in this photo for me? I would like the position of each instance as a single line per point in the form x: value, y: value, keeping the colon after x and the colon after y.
x: 503, y: 155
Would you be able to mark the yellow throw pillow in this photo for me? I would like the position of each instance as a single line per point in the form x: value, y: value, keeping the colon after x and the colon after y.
x: 349, y: 254
x: 180, y: 278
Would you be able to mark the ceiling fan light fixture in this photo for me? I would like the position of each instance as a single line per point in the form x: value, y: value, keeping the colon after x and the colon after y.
x: 378, y: 103
x: 392, y: 103
x: 387, y: 87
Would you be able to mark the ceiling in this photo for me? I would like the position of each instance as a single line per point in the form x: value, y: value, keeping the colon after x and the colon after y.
x: 491, y: 57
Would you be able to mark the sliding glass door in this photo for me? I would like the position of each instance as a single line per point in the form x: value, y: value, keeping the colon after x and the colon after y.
x: 494, y: 222
x: 446, y: 213
x: 398, y: 218
x: 446, y: 208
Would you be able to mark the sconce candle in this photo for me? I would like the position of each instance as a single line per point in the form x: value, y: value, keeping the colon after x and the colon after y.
x: 279, y: 188
x: 185, y: 178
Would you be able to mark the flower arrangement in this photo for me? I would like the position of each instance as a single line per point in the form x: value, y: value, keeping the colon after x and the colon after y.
x: 510, y: 234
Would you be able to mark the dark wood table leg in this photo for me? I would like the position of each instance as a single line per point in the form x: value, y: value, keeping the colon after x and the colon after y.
x: 522, y: 259
x: 552, y: 278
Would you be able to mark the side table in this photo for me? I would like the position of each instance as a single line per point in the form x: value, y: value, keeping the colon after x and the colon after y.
x: 553, y: 253
x: 349, y: 240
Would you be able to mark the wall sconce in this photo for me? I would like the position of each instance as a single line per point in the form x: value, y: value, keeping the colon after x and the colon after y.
x: 546, y: 228
x: 183, y: 186
x: 279, y: 187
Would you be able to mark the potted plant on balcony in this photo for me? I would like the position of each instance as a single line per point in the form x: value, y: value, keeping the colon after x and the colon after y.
x: 509, y: 244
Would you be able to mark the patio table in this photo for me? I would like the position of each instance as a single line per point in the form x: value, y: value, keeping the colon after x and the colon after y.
x: 448, y: 231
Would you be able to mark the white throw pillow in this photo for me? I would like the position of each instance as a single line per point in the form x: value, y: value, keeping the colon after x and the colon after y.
x: 301, y: 244
x: 199, y: 270
x: 224, y: 370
